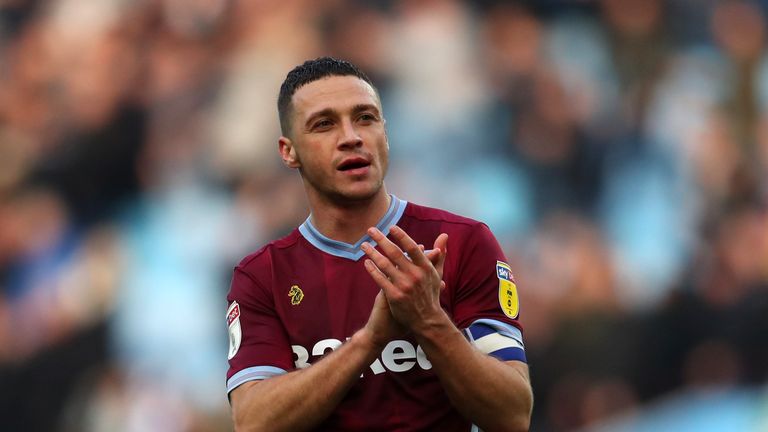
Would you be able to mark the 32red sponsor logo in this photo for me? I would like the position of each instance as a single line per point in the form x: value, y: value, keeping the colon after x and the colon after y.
x: 398, y: 356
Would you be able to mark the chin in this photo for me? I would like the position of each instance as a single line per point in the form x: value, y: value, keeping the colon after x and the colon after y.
x: 358, y: 194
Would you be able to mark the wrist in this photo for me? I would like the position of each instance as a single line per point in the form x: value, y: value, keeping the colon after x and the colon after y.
x: 432, y: 326
x: 367, y: 341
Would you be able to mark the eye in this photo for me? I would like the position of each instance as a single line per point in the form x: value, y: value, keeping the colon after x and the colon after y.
x: 367, y: 117
x: 322, y: 124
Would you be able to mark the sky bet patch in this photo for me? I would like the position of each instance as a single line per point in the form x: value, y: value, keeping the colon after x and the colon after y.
x: 508, y: 299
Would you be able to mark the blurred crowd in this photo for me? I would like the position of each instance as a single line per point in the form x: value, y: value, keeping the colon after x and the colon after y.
x: 618, y: 149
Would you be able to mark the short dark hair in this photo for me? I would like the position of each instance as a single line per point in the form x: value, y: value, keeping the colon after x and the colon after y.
x: 307, y: 72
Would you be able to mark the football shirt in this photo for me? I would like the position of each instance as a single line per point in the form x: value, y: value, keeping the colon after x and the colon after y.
x: 302, y: 296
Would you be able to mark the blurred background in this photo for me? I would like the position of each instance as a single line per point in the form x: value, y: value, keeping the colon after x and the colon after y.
x: 617, y: 148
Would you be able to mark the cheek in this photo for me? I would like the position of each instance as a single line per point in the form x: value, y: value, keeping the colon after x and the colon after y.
x: 384, y: 149
x: 314, y: 159
x: 378, y: 140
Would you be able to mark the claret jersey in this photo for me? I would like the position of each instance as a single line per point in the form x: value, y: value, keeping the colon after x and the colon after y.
x: 302, y: 296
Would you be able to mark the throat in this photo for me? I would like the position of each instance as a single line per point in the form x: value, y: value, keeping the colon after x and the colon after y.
x: 349, y: 224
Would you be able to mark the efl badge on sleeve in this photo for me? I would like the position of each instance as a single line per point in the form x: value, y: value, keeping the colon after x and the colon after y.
x: 508, y: 299
x: 235, y: 332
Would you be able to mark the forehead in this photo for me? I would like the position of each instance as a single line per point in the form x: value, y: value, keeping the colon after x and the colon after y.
x: 335, y: 92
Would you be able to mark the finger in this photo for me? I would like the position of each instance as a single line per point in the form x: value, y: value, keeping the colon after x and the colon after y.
x: 433, y: 255
x: 409, y: 245
x: 380, y: 278
x: 441, y: 244
x: 382, y: 263
x: 389, y: 249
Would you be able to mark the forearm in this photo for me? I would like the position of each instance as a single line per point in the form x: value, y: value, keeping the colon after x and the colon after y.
x: 301, y: 399
x: 493, y: 394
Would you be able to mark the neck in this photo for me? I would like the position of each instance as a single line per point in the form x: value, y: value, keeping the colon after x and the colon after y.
x: 348, y: 221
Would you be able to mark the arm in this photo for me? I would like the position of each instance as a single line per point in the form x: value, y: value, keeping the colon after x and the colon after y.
x: 301, y: 399
x: 495, y: 395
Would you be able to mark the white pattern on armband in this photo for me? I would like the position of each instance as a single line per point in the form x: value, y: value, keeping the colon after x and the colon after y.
x: 497, y: 339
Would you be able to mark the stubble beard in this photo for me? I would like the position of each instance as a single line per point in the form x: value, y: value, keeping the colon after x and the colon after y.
x: 327, y: 192
x: 326, y: 189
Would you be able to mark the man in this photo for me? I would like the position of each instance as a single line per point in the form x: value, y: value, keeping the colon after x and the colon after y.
x: 348, y: 323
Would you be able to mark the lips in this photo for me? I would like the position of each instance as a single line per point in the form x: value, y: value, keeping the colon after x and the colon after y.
x: 353, y: 164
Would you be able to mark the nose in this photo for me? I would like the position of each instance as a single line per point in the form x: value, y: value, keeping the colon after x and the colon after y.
x: 349, y: 136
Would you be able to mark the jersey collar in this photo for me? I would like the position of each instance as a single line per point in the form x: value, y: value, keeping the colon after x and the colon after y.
x: 347, y: 250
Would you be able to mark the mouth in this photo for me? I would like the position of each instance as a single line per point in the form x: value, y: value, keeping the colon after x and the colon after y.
x: 355, y: 165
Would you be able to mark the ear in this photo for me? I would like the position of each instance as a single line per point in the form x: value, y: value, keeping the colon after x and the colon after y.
x: 288, y: 153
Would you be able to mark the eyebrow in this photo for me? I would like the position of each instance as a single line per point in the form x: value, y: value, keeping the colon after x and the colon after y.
x: 331, y: 112
x: 365, y: 107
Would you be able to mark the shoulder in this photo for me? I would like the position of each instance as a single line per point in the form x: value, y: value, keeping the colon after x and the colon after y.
x: 252, y: 275
x: 431, y: 214
x: 446, y: 219
x: 471, y: 233
x: 262, y: 258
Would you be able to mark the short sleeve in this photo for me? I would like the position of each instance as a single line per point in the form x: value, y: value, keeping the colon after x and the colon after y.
x: 486, y: 303
x: 258, y: 345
